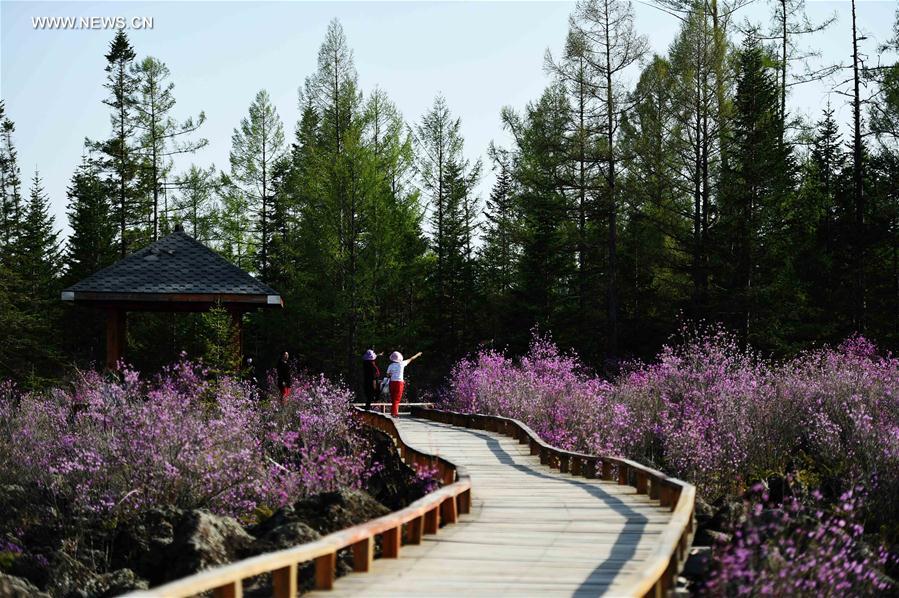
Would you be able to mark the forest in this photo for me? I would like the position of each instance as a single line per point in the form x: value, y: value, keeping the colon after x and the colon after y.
x: 638, y: 192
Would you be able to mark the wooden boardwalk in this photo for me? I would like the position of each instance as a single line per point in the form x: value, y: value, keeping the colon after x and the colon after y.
x: 531, y: 531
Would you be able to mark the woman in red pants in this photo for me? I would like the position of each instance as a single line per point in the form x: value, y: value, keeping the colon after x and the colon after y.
x: 395, y: 371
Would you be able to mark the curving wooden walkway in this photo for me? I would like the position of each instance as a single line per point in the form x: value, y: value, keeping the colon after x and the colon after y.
x: 531, y: 531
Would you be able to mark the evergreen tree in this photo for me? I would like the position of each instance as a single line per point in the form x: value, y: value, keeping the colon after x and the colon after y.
x: 91, y: 245
x: 448, y: 179
x: 753, y: 208
x: 39, y: 256
x: 499, y: 251
x: 120, y: 157
x: 195, y: 203
x: 657, y: 238
x: 541, y: 295
x: 609, y: 26
x: 256, y: 146
x: 10, y: 189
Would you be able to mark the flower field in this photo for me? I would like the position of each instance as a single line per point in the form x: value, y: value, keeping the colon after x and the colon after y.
x: 821, y: 429
x: 119, y: 446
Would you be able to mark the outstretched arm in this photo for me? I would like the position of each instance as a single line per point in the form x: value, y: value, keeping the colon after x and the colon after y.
x: 414, y: 357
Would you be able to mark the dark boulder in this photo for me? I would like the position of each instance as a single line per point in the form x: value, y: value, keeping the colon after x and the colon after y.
x: 112, y: 584
x: 16, y: 587
x: 333, y: 511
x: 201, y: 540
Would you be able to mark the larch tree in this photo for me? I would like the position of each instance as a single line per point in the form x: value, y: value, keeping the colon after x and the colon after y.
x: 256, y: 146
x: 160, y: 136
x: 608, y: 26
x: 575, y: 72
x: 698, y: 143
x: 195, y: 201
x: 657, y: 239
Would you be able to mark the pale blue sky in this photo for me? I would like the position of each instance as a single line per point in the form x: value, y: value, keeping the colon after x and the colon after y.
x: 480, y: 55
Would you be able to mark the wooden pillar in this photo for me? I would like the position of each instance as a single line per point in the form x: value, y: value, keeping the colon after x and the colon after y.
x: 237, y: 324
x: 116, y: 328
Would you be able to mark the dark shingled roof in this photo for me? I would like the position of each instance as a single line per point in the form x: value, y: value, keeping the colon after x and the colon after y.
x: 177, y: 263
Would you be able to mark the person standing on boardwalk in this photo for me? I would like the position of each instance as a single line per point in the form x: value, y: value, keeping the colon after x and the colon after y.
x: 283, y: 370
x: 395, y: 371
x: 370, y: 375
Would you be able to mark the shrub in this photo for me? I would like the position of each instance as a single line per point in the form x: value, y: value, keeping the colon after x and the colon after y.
x: 116, y: 446
x: 718, y: 417
x: 796, y: 549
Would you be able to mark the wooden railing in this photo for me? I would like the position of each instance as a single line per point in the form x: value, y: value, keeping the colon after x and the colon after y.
x: 421, y: 517
x: 660, y: 571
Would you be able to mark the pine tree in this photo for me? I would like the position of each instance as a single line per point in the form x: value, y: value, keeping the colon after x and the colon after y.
x: 448, y: 179
x: 759, y: 185
x: 91, y: 246
x: 39, y: 256
x: 541, y: 294
x: 121, y: 159
x: 11, y: 213
x: 499, y: 250
x: 256, y: 146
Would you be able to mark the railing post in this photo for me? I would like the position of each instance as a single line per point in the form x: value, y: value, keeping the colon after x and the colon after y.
x: 363, y: 555
x: 414, y: 530
x: 284, y: 582
x: 233, y: 589
x: 448, y: 510
x: 465, y: 502
x: 590, y: 468
x: 654, y: 488
x: 390, y: 543
x: 432, y: 521
x: 576, y: 466
x: 606, y: 470
x: 642, y: 483
x: 564, y: 461
x: 324, y: 571
x: 622, y: 474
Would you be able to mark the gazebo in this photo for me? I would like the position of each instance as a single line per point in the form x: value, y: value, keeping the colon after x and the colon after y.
x: 175, y: 274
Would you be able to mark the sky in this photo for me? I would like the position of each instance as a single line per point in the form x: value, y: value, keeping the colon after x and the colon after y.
x: 481, y: 56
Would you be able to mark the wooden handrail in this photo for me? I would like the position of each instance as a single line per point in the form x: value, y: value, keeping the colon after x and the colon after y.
x: 664, y: 563
x: 421, y: 517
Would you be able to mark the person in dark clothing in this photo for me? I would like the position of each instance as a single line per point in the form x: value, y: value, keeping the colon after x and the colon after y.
x: 370, y: 376
x: 283, y: 369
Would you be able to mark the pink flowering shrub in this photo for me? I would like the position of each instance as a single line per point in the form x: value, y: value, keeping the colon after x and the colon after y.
x: 551, y: 392
x: 720, y: 418
x: 118, y: 446
x: 796, y: 549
